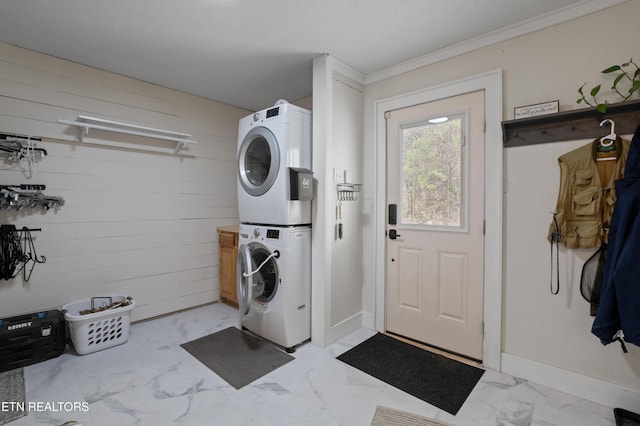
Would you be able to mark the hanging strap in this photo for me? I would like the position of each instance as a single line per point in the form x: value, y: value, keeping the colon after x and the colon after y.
x: 619, y: 337
x: 555, y: 238
x: 29, y: 250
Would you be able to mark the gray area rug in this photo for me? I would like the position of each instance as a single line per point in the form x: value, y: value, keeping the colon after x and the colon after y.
x: 12, y: 393
x: 237, y: 357
x: 386, y: 416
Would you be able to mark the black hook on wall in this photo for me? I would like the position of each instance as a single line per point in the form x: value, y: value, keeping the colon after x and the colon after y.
x: 17, y: 250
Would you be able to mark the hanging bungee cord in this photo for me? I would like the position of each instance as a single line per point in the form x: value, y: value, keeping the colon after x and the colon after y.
x: 14, y: 256
x: 275, y: 254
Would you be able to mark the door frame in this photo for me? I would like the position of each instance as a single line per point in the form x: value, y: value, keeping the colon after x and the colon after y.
x: 491, y: 83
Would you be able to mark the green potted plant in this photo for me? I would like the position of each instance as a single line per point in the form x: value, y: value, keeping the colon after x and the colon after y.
x: 625, y: 84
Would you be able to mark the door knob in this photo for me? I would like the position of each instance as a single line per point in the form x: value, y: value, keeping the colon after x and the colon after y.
x: 393, y: 234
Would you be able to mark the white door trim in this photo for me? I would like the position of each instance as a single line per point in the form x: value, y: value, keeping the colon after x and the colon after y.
x: 491, y: 82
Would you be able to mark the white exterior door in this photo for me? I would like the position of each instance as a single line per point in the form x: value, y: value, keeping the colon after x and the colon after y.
x: 435, y: 244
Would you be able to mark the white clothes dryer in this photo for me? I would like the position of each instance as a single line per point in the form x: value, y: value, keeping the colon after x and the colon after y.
x: 273, y: 144
x: 274, y: 283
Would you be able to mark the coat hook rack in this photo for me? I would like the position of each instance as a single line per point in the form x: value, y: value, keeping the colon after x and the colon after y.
x: 27, y: 195
x: 85, y: 123
x: 14, y: 256
x: 9, y: 136
x: 570, y: 125
x: 12, y: 146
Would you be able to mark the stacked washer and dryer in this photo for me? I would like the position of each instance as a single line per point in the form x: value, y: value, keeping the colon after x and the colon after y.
x: 275, y: 188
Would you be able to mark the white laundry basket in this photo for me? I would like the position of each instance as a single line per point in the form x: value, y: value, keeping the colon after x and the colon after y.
x: 101, y: 330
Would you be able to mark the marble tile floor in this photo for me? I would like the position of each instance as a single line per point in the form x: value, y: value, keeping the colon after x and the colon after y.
x: 151, y: 380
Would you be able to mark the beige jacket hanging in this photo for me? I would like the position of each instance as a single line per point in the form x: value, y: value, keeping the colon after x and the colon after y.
x: 585, y: 204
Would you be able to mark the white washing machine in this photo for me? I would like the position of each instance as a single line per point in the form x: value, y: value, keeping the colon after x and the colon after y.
x: 272, y: 145
x: 274, y: 283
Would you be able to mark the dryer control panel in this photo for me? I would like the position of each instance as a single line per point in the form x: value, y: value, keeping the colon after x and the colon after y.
x: 273, y: 112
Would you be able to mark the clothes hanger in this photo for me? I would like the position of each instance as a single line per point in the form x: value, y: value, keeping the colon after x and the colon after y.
x: 20, y: 196
x: 611, y: 137
x: 15, y: 150
x: 606, y: 143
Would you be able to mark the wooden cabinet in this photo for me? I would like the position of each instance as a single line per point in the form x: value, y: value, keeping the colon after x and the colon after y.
x: 228, y: 253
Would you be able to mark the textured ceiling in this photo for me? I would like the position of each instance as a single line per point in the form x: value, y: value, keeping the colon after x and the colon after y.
x: 250, y: 53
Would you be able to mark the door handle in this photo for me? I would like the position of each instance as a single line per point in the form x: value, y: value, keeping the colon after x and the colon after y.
x: 393, y: 234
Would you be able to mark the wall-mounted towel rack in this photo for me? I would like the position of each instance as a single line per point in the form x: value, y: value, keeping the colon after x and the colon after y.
x: 85, y: 123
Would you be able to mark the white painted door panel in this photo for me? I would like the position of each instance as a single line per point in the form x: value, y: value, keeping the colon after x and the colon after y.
x: 435, y: 176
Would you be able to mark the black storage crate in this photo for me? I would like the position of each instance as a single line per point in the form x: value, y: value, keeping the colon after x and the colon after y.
x: 28, y: 339
x: 626, y: 418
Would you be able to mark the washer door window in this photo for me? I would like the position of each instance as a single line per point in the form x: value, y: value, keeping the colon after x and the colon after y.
x: 258, y: 277
x: 258, y: 161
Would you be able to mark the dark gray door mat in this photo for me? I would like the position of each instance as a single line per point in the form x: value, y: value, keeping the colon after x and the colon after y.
x: 237, y: 357
x: 433, y: 378
x: 12, y: 395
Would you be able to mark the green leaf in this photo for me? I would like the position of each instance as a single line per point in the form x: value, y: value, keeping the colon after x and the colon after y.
x: 617, y: 80
x: 611, y: 69
x: 602, y: 108
x: 634, y: 87
x: 595, y: 90
x: 579, y: 101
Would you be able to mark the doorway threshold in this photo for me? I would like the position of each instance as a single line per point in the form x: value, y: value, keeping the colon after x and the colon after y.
x: 437, y: 350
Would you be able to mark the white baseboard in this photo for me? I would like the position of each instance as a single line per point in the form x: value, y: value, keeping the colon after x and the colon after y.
x: 343, y: 328
x: 598, y: 391
x: 369, y: 321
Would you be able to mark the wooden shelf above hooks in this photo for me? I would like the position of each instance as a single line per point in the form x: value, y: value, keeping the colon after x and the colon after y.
x: 570, y: 125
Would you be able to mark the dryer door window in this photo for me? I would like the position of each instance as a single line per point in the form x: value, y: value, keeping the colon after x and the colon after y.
x: 258, y: 161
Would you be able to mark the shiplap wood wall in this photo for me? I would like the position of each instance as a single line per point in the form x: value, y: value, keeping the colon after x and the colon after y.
x: 137, y: 219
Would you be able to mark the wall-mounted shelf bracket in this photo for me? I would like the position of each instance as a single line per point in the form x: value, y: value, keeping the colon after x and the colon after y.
x: 85, y: 123
x: 570, y: 125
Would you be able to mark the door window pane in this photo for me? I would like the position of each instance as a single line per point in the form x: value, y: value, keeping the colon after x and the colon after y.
x: 432, y: 173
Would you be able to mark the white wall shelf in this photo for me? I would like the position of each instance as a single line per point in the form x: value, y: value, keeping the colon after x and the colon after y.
x: 85, y: 123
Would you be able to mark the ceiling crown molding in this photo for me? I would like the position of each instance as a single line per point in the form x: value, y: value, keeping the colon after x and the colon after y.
x: 567, y: 13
